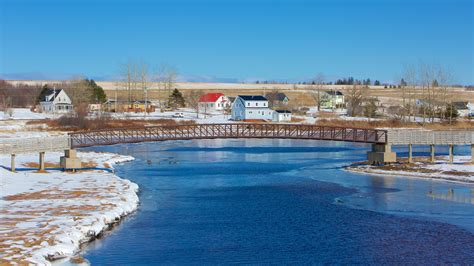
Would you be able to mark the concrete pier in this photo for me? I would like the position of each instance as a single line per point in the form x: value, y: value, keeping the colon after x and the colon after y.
x: 381, y: 154
x: 12, y: 163
x: 70, y: 161
x: 472, y: 153
x: 41, y: 161
x: 451, y: 153
x: 432, y: 153
x: 410, y: 153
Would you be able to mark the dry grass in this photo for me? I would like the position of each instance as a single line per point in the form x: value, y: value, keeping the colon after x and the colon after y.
x: 301, y: 94
x: 49, y: 194
x: 56, y: 165
x: 395, y: 124
x: 28, y: 239
x: 110, y: 123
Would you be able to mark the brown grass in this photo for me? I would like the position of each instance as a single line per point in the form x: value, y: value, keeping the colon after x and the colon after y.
x: 395, y: 124
x: 36, y: 165
x: 91, y: 124
x: 49, y: 194
x: 297, y: 119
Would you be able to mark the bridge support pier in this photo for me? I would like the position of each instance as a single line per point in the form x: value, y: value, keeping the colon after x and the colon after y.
x: 451, y: 153
x: 12, y: 163
x: 41, y: 161
x: 381, y: 154
x: 410, y: 153
x: 472, y: 153
x: 432, y: 153
x: 70, y: 161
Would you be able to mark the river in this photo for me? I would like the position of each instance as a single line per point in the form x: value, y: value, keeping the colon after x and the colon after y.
x: 281, y: 202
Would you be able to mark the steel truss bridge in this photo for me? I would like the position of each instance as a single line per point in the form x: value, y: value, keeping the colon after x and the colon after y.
x: 222, y: 131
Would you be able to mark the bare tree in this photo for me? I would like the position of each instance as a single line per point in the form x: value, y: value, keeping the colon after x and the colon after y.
x: 129, y: 79
x: 319, y: 86
x: 410, y: 77
x: 430, y: 83
x: 355, y: 100
x: 193, y: 100
x: 78, y: 91
x: 144, y: 79
x: 167, y: 76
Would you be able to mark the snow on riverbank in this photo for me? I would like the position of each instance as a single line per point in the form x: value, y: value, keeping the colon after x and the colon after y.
x: 461, y: 170
x: 46, y: 216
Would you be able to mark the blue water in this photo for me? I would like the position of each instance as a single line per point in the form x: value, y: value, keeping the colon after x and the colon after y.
x: 281, y: 202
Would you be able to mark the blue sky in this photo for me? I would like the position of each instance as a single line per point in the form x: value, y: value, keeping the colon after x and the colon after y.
x: 241, y: 40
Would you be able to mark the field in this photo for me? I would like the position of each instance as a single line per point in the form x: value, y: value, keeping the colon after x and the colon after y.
x: 298, y: 94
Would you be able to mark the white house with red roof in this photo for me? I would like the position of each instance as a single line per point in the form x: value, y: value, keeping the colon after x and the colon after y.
x: 212, y: 102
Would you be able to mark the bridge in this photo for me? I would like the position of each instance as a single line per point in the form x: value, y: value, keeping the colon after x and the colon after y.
x: 381, y: 139
x: 214, y: 131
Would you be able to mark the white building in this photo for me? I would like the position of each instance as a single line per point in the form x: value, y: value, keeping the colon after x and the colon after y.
x: 281, y: 116
x: 332, y: 99
x: 212, y: 102
x: 250, y: 107
x: 56, y: 101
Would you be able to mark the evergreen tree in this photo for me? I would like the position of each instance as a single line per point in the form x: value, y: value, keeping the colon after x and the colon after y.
x: 377, y: 83
x: 98, y: 94
x: 42, y: 94
x: 370, y: 107
x: 176, y: 99
x: 451, y: 112
x: 403, y: 83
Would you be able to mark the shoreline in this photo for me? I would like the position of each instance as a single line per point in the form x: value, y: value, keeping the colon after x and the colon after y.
x: 459, y: 172
x: 49, y: 217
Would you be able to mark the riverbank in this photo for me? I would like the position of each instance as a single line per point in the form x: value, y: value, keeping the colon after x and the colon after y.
x: 47, y: 216
x: 461, y: 170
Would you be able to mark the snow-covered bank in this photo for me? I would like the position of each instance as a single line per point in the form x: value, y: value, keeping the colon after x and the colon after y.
x: 461, y: 170
x: 46, y: 216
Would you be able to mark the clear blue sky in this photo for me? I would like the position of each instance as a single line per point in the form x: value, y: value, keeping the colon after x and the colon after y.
x: 237, y: 39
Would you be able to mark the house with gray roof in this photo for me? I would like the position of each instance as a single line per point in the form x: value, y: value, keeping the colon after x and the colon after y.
x: 251, y: 107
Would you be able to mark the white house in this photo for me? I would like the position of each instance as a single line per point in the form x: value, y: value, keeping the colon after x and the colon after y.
x: 248, y: 107
x: 281, y: 116
x: 332, y: 99
x: 56, y: 101
x: 212, y: 102
x: 464, y: 108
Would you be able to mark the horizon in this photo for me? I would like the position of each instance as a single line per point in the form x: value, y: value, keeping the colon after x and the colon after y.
x: 236, y: 41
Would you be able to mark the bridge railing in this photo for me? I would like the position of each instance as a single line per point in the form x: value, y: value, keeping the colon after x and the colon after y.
x: 230, y: 130
x: 428, y: 137
x: 36, y: 144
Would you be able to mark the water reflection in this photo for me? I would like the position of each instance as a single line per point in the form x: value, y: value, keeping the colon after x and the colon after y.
x: 450, y: 195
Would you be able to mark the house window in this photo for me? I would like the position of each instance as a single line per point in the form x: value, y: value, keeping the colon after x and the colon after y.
x: 256, y: 104
x: 248, y: 104
x: 264, y: 104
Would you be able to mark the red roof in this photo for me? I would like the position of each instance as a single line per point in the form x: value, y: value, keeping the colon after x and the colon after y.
x: 210, y: 97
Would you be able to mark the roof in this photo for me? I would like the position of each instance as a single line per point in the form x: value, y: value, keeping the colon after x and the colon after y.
x: 143, y: 101
x: 253, y: 98
x: 333, y: 92
x: 210, y: 97
x: 276, y: 96
x: 283, y: 111
x: 461, y: 105
x: 50, y: 93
